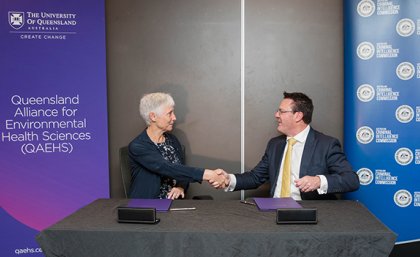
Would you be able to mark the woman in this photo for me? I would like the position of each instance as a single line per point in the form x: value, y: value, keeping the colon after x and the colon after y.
x: 156, y: 156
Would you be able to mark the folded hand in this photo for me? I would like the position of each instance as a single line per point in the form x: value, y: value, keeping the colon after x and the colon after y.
x: 308, y: 183
x: 175, y: 193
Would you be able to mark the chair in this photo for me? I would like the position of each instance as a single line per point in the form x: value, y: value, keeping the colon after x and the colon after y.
x: 125, y: 169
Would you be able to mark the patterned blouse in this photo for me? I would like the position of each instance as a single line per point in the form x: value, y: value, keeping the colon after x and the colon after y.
x: 168, y: 153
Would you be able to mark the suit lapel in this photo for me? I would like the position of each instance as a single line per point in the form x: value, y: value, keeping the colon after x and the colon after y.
x: 308, y: 151
x: 278, y: 154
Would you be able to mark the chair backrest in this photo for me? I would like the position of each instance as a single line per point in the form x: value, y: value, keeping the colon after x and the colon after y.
x: 125, y: 170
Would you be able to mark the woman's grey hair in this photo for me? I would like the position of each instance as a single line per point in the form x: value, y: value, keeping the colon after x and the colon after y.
x: 154, y: 102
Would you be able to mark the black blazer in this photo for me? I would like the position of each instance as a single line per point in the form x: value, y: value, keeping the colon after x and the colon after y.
x: 148, y: 166
x: 322, y: 155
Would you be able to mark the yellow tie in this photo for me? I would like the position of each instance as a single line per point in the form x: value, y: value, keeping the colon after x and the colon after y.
x: 285, y: 182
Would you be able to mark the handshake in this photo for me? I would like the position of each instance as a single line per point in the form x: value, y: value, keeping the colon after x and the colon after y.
x: 218, y: 178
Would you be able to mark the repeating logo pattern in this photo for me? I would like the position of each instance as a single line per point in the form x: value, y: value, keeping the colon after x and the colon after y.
x: 365, y: 93
x: 365, y: 50
x: 365, y: 176
x: 403, y: 156
x: 406, y: 27
x: 382, y: 70
x: 365, y: 135
x: 366, y: 8
x: 403, y: 198
x: 405, y: 70
x: 404, y: 113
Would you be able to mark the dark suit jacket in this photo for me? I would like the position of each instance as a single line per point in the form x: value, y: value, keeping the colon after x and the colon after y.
x: 322, y: 155
x: 148, y: 167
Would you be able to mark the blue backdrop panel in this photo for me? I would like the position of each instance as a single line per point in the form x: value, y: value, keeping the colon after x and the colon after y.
x: 382, y: 109
x: 53, y: 119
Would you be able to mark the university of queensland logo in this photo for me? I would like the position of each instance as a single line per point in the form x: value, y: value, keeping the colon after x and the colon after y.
x: 16, y: 19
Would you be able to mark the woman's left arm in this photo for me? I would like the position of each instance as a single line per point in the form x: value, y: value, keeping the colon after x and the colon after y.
x: 175, y: 193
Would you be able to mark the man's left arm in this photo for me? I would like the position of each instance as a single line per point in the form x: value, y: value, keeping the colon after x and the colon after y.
x: 338, y: 176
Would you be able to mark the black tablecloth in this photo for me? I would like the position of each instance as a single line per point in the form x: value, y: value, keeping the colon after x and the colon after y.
x: 218, y: 228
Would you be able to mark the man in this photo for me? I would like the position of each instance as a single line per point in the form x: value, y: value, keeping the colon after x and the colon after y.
x: 302, y: 163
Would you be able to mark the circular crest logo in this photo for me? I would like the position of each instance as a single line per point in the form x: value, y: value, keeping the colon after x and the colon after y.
x: 403, y: 156
x: 365, y: 92
x: 365, y: 50
x: 405, y: 70
x: 365, y: 135
x: 366, y: 8
x: 404, y: 113
x: 365, y: 176
x: 405, y: 27
x: 403, y: 198
x: 16, y: 19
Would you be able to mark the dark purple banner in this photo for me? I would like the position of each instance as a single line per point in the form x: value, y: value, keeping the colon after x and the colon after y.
x: 53, y: 119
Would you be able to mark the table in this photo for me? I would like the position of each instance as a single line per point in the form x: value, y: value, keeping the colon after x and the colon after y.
x: 218, y: 228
